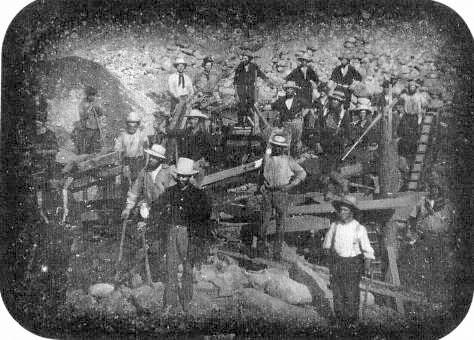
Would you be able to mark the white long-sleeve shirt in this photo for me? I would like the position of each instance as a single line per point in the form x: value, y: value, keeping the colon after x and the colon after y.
x: 131, y: 145
x: 178, y: 91
x: 348, y: 240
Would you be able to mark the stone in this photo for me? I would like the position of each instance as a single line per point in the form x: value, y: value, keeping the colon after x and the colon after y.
x: 101, y: 289
x: 116, y: 303
x: 79, y: 302
x: 148, y: 298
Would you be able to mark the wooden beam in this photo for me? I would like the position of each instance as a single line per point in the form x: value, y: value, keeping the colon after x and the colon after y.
x: 402, y: 200
x: 232, y: 172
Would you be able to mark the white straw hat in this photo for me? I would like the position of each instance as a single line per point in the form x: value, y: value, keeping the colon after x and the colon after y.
x: 156, y: 150
x: 185, y: 167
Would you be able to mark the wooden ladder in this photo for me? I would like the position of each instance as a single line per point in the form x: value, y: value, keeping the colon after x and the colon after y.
x: 423, y: 143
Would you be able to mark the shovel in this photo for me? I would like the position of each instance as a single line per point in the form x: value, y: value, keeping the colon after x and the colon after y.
x: 366, y: 294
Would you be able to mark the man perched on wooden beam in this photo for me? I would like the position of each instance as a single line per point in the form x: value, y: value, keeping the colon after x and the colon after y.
x: 351, y: 253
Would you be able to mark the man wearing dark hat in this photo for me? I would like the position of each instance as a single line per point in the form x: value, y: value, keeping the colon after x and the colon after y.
x: 206, y: 81
x: 245, y: 79
x: 87, y: 135
x: 350, y: 253
x: 343, y: 76
x: 184, y: 211
x: 305, y: 78
x: 280, y: 174
x: 292, y: 110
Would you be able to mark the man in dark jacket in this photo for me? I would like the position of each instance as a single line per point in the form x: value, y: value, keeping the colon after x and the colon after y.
x: 184, y: 211
x: 305, y: 78
x: 245, y: 78
x: 292, y: 110
x: 343, y: 76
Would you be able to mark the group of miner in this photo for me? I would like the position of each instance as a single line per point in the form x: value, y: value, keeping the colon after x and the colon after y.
x: 161, y: 172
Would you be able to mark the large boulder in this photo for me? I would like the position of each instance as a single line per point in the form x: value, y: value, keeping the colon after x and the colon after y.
x: 277, y: 283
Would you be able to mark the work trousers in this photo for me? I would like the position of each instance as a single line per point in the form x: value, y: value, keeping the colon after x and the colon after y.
x: 346, y: 273
x: 88, y: 141
x: 278, y: 200
x: 187, y: 250
x: 295, y: 127
x: 247, y: 98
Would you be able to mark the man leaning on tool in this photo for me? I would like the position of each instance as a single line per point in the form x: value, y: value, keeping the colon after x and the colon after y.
x: 280, y: 174
x: 350, y: 253
x: 184, y: 212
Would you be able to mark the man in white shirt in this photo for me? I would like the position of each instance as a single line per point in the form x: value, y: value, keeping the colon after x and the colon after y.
x: 180, y: 87
x: 349, y: 246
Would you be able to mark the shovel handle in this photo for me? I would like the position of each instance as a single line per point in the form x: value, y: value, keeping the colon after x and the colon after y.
x: 122, y: 240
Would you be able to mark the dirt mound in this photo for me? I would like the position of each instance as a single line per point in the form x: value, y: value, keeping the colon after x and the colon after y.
x: 63, y: 80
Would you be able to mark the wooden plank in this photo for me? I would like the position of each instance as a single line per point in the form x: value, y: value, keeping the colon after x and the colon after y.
x: 402, y: 200
x: 424, y: 139
x: 89, y: 180
x: 232, y: 172
x: 395, y: 278
x: 99, y: 161
x: 302, y: 223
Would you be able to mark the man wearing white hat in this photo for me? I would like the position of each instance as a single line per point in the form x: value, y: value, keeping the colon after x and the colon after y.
x: 180, y: 88
x: 184, y: 211
x: 151, y: 181
x: 350, y: 254
x: 131, y: 144
x: 194, y: 141
x: 304, y: 77
x: 280, y: 174
x: 292, y: 110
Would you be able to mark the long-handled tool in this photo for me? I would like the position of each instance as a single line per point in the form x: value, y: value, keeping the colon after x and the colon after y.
x: 122, y: 240
x: 366, y: 294
x: 147, y: 262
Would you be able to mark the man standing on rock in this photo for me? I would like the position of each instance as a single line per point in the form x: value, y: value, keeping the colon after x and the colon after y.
x: 280, y: 174
x: 184, y: 211
x: 245, y: 79
x: 343, y: 76
x: 131, y: 143
x: 292, y: 110
x: 181, y: 90
x: 151, y: 181
x: 87, y: 133
x: 305, y: 78
x: 350, y: 254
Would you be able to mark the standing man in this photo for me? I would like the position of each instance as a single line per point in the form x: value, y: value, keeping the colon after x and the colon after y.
x: 151, y: 181
x: 43, y: 156
x: 280, y: 174
x: 343, y: 76
x: 414, y: 105
x: 245, y: 78
x: 305, y: 78
x: 87, y: 133
x: 184, y: 211
x: 206, y: 82
x: 292, y: 110
x: 131, y: 144
x: 351, y: 254
x: 181, y: 90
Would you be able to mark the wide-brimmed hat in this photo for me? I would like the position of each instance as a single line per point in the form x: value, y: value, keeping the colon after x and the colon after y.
x: 195, y: 113
x: 179, y: 60
x: 304, y: 56
x: 338, y: 95
x: 156, y: 150
x: 133, y: 117
x: 280, y: 140
x: 348, y: 201
x: 363, y: 104
x: 290, y: 84
x: 185, y: 167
